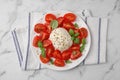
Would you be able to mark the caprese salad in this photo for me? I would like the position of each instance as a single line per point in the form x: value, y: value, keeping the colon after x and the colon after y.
x: 60, y: 39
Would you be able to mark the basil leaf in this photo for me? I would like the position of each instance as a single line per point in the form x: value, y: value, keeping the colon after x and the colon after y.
x: 77, y: 34
x: 77, y: 41
x: 43, y: 52
x: 82, y: 48
x: 71, y: 32
x: 68, y: 61
x: 76, y: 25
x: 83, y: 41
x: 51, y: 61
x: 40, y: 45
x: 72, y: 38
x: 54, y: 24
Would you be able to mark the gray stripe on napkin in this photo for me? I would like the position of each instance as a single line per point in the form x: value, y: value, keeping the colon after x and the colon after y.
x: 99, y: 33
x: 28, y: 46
x: 16, y: 46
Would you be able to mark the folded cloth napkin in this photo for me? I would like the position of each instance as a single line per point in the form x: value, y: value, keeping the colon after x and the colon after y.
x: 96, y: 55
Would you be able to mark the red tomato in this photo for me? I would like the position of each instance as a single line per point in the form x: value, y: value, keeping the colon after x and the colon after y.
x: 49, y: 29
x: 84, y: 32
x: 70, y: 16
x: 75, y: 55
x: 44, y: 35
x: 60, y: 20
x: 39, y: 27
x: 76, y: 31
x: 44, y: 59
x: 68, y: 25
x: 36, y: 40
x: 57, y: 54
x: 75, y: 47
x: 49, y: 17
x: 66, y: 55
x: 47, y: 43
x: 80, y: 38
x: 49, y: 51
x: 59, y: 63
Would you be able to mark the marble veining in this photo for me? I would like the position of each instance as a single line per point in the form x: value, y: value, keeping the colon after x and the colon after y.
x: 12, y: 14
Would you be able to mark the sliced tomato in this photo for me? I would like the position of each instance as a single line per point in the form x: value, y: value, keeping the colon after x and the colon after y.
x: 39, y: 27
x: 49, y: 17
x: 80, y: 38
x: 84, y: 32
x: 44, y: 59
x: 49, y: 51
x: 75, y: 55
x: 75, y: 47
x: 60, y: 20
x: 59, y: 63
x: 36, y: 39
x: 76, y: 31
x: 49, y: 29
x: 47, y: 43
x: 68, y: 25
x: 70, y: 17
x: 45, y: 35
x: 57, y: 54
x: 66, y: 54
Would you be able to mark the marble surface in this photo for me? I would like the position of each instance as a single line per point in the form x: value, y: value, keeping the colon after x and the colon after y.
x: 12, y: 14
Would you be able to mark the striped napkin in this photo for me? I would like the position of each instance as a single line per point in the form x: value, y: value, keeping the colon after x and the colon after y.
x: 96, y: 55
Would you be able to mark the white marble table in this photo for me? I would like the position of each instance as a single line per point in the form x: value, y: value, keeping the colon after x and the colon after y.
x: 11, y: 15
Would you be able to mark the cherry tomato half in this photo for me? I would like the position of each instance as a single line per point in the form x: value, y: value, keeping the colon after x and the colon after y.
x: 75, y: 55
x: 57, y: 54
x: 75, y: 47
x: 49, y: 17
x: 68, y: 25
x: 44, y: 35
x: 47, y: 43
x: 49, y: 51
x: 49, y: 28
x: 84, y: 32
x: 66, y: 54
x: 70, y: 16
x: 39, y: 27
x: 59, y: 63
x: 36, y: 39
x: 60, y: 20
x: 44, y: 59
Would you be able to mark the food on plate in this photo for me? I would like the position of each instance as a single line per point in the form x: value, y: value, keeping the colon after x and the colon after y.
x: 60, y: 39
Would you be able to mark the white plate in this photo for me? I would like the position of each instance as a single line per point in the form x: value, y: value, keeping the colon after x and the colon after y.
x: 39, y: 17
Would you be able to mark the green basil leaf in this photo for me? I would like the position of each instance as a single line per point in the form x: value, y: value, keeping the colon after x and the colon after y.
x: 54, y: 24
x: 43, y: 52
x: 83, y: 41
x: 71, y: 32
x: 76, y: 40
x: 76, y: 34
x: 68, y: 61
x: 76, y: 25
x: 40, y: 45
x: 82, y: 48
x: 73, y: 38
x: 51, y: 61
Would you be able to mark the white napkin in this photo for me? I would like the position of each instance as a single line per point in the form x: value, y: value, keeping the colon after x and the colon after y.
x: 97, y: 53
x: 98, y: 29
